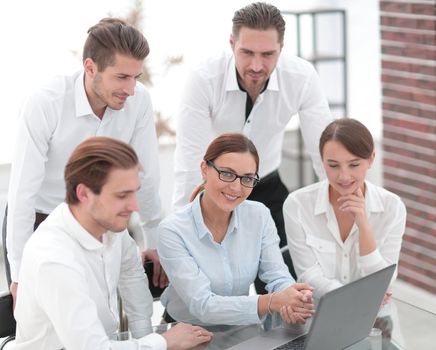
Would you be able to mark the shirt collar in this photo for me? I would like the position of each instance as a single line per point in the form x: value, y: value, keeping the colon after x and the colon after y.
x: 273, y: 84
x: 83, y: 107
x: 232, y: 81
x: 322, y: 198
x: 201, y: 227
x: 79, y: 234
x: 373, y: 201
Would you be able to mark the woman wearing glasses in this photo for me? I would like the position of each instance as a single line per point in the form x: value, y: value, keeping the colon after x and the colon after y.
x: 213, y: 249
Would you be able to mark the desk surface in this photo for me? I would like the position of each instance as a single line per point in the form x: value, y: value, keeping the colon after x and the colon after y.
x: 404, y: 327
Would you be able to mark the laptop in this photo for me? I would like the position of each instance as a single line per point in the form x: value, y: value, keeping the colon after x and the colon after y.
x: 343, y: 317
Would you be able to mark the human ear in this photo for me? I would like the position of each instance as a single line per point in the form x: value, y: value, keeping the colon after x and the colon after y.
x: 89, y: 66
x: 203, y: 167
x: 82, y: 193
x: 232, y: 41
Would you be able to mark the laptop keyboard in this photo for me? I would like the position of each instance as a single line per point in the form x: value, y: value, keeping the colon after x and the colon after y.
x: 296, y: 344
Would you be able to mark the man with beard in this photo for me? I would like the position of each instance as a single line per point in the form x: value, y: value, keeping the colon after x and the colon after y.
x: 255, y: 90
x: 103, y: 99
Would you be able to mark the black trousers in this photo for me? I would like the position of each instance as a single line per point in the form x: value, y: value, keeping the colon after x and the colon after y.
x: 272, y: 192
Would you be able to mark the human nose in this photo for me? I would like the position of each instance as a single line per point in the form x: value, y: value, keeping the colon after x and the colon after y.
x: 256, y: 63
x: 129, y: 87
x: 235, y: 186
x: 344, y: 174
x: 133, y: 203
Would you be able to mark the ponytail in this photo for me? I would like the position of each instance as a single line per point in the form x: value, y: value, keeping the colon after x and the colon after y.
x: 196, y: 191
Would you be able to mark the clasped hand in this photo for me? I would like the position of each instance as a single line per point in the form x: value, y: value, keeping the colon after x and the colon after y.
x: 295, y: 303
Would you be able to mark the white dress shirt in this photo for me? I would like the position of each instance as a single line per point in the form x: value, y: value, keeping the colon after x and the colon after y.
x: 209, y: 282
x: 67, y: 295
x: 320, y: 256
x: 213, y: 104
x: 53, y: 122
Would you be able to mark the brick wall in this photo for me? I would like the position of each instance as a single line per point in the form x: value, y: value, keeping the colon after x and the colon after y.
x: 408, y: 33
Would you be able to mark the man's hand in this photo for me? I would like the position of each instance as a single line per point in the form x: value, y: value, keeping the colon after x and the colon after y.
x: 185, y: 336
x: 160, y: 278
x: 13, y: 288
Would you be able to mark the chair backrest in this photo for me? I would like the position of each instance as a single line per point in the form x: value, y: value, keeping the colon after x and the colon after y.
x: 7, y: 320
x: 156, y: 292
x: 6, y: 341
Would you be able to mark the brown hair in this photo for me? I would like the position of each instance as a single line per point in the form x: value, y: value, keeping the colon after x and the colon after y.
x: 260, y: 16
x: 352, y: 134
x: 113, y: 36
x: 227, y: 143
x: 91, y: 162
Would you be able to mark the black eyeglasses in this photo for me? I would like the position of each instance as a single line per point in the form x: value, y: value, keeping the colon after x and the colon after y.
x: 228, y: 176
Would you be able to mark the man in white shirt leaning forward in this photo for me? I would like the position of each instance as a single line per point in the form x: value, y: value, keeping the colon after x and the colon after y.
x: 82, y: 253
x: 102, y: 99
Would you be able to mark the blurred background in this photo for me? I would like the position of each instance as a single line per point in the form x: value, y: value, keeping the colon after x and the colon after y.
x: 376, y: 59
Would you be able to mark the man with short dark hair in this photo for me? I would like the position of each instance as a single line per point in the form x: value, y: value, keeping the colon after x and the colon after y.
x: 255, y: 90
x: 79, y: 257
x: 104, y: 98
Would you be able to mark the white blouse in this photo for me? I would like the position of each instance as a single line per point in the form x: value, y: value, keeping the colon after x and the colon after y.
x: 320, y: 256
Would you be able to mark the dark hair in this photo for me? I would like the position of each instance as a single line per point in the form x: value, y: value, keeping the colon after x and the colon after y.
x: 91, y: 162
x: 352, y: 134
x: 228, y: 143
x: 261, y: 16
x: 113, y: 36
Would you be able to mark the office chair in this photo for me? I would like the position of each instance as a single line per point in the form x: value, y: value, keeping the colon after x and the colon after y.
x: 7, y: 320
x: 156, y: 292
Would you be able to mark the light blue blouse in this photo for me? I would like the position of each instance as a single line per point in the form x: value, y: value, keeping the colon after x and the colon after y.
x: 209, y: 282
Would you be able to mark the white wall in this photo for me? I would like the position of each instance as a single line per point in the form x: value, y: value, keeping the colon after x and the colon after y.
x: 195, y: 29
x: 37, y: 44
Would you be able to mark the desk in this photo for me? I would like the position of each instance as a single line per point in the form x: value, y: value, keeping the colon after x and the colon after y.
x: 405, y: 327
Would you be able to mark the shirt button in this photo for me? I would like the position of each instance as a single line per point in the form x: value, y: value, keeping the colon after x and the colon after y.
x: 345, y: 255
x: 248, y: 121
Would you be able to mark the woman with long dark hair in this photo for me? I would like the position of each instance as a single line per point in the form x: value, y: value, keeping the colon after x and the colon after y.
x: 213, y: 249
